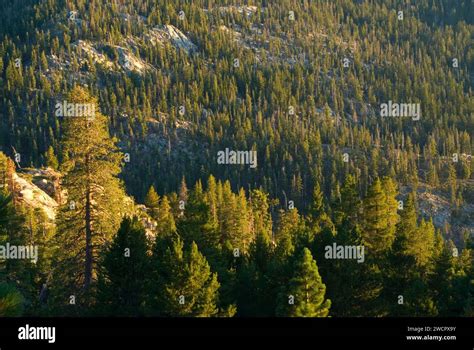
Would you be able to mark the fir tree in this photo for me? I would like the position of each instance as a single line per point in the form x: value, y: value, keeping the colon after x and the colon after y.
x: 152, y: 201
x: 347, y: 210
x: 51, y: 159
x: 125, y: 266
x: 196, y: 225
x: 379, y: 217
x: 317, y: 203
x: 305, y: 294
x: 165, y: 219
x: 184, y: 284
x: 262, y: 221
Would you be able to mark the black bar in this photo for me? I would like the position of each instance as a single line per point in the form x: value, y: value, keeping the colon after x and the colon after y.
x: 126, y: 331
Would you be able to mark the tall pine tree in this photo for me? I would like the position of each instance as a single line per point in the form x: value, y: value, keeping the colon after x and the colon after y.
x: 95, y: 197
x: 305, y: 294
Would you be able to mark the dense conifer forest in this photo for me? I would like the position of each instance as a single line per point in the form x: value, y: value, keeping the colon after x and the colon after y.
x: 231, y: 158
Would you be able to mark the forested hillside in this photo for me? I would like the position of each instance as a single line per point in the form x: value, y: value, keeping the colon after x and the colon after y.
x: 353, y: 195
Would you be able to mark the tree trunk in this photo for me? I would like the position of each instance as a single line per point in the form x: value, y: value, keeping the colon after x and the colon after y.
x: 88, y: 263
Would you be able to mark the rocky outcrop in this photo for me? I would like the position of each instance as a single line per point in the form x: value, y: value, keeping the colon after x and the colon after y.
x: 32, y: 196
x: 169, y: 33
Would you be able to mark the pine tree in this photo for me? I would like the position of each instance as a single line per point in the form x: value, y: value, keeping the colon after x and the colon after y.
x: 235, y: 220
x: 183, y: 191
x: 349, y: 282
x: 152, y: 201
x: 211, y: 198
x: 196, y: 225
x: 51, y: 159
x: 306, y: 290
x: 262, y: 221
x: 256, y: 292
x: 125, y: 266
x: 316, y: 207
x: 288, y: 224
x: 441, y: 281
x: 405, y: 270
x: 452, y: 183
x: 390, y: 188
x: 379, y: 217
x: 10, y: 221
x: 184, y: 284
x: 95, y: 197
x: 347, y: 210
x: 228, y: 219
x: 244, y: 235
x: 165, y: 219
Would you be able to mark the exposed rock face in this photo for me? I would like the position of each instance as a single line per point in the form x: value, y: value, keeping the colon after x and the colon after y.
x: 48, y: 180
x: 178, y: 38
x: 96, y: 56
x: 454, y: 224
x: 246, y: 10
x: 435, y: 205
x: 130, y: 62
x: 148, y: 223
x: 33, y: 196
x: 172, y: 34
x: 126, y: 61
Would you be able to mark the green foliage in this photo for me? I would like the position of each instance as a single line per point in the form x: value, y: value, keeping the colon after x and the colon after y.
x: 51, y: 159
x: 11, y: 301
x: 152, y: 201
x: 380, y: 216
x: 165, y: 219
x: 301, y: 155
x: 184, y: 284
x: 95, y: 199
x: 305, y: 294
x: 125, y: 266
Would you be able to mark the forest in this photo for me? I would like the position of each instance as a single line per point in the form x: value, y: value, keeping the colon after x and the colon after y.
x: 341, y: 209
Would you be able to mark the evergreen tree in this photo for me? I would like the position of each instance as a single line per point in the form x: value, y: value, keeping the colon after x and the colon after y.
x: 351, y: 283
x: 196, y: 225
x: 379, y: 218
x: 255, y: 289
x: 184, y: 284
x: 152, y: 201
x: 95, y: 198
x: 317, y: 203
x: 165, y: 219
x: 306, y: 290
x: 51, y: 159
x: 347, y: 210
x: 262, y: 221
x: 183, y: 191
x: 405, y: 271
x: 125, y: 266
x: 288, y: 224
